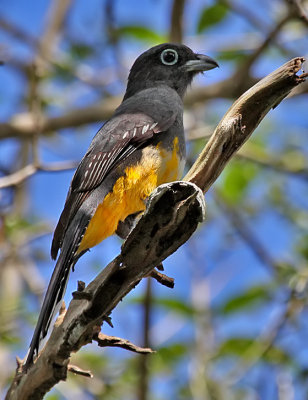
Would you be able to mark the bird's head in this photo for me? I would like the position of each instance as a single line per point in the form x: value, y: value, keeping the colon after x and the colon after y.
x: 174, y: 65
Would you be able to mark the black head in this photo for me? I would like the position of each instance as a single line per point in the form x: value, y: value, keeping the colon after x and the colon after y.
x: 170, y: 64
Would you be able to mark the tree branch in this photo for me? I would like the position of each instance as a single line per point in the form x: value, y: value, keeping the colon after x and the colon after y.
x: 173, y: 213
x: 247, y: 234
x: 16, y: 32
x: 57, y: 13
x: 241, y: 120
x: 152, y: 240
x: 23, y: 125
x: 176, y: 25
x: 112, y: 341
x: 19, y: 176
x: 299, y: 10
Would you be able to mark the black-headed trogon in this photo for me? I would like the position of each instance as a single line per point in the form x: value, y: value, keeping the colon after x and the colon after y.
x: 139, y: 148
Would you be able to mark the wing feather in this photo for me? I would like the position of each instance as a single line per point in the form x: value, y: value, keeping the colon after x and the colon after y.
x: 115, y: 141
x: 98, y: 162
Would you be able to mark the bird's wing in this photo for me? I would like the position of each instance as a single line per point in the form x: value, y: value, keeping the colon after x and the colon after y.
x: 112, y: 146
x: 115, y: 141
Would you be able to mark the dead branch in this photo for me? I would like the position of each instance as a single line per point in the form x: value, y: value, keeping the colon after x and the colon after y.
x: 78, y: 371
x: 241, y: 120
x: 113, y: 341
x: 173, y: 213
x: 162, y: 279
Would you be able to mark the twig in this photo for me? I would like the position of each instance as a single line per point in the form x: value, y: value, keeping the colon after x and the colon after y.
x: 113, y: 341
x: 261, y: 345
x: 162, y: 278
x: 246, y: 233
x: 271, y: 36
x: 247, y: 13
x: 78, y: 371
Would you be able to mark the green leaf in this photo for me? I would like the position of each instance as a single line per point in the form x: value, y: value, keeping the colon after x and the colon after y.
x: 141, y: 33
x: 236, y: 180
x: 251, y: 349
x: 166, y: 358
x: 13, y: 224
x: 211, y: 16
x: 235, y: 346
x: 232, y: 55
x: 252, y: 297
x: 302, y: 247
x: 63, y: 71
x: 9, y: 338
x: 53, y: 396
x: 173, y: 352
x: 171, y: 304
x: 176, y: 305
x: 80, y: 51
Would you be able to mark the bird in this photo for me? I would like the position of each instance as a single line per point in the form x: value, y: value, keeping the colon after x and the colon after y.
x: 140, y: 147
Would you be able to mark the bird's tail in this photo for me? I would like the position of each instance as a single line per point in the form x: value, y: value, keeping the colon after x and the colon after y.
x: 57, y: 286
x: 51, y: 304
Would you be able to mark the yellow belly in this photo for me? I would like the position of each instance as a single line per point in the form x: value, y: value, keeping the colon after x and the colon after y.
x: 130, y: 191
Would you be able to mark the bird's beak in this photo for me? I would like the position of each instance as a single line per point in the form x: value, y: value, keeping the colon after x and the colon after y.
x: 201, y: 63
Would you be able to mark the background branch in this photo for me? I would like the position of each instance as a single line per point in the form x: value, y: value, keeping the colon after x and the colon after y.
x: 29, y: 170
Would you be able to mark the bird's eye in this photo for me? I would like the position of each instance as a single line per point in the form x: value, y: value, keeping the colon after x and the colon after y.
x: 169, y: 57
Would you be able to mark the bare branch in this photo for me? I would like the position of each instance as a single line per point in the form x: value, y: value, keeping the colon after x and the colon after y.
x: 23, y: 126
x: 240, y: 121
x: 246, y: 234
x: 162, y: 278
x: 173, y: 213
x: 113, y: 341
x: 29, y: 170
x: 78, y: 371
x: 17, y: 32
x: 271, y: 36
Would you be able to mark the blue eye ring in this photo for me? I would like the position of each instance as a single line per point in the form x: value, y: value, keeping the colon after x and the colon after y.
x: 169, y: 57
